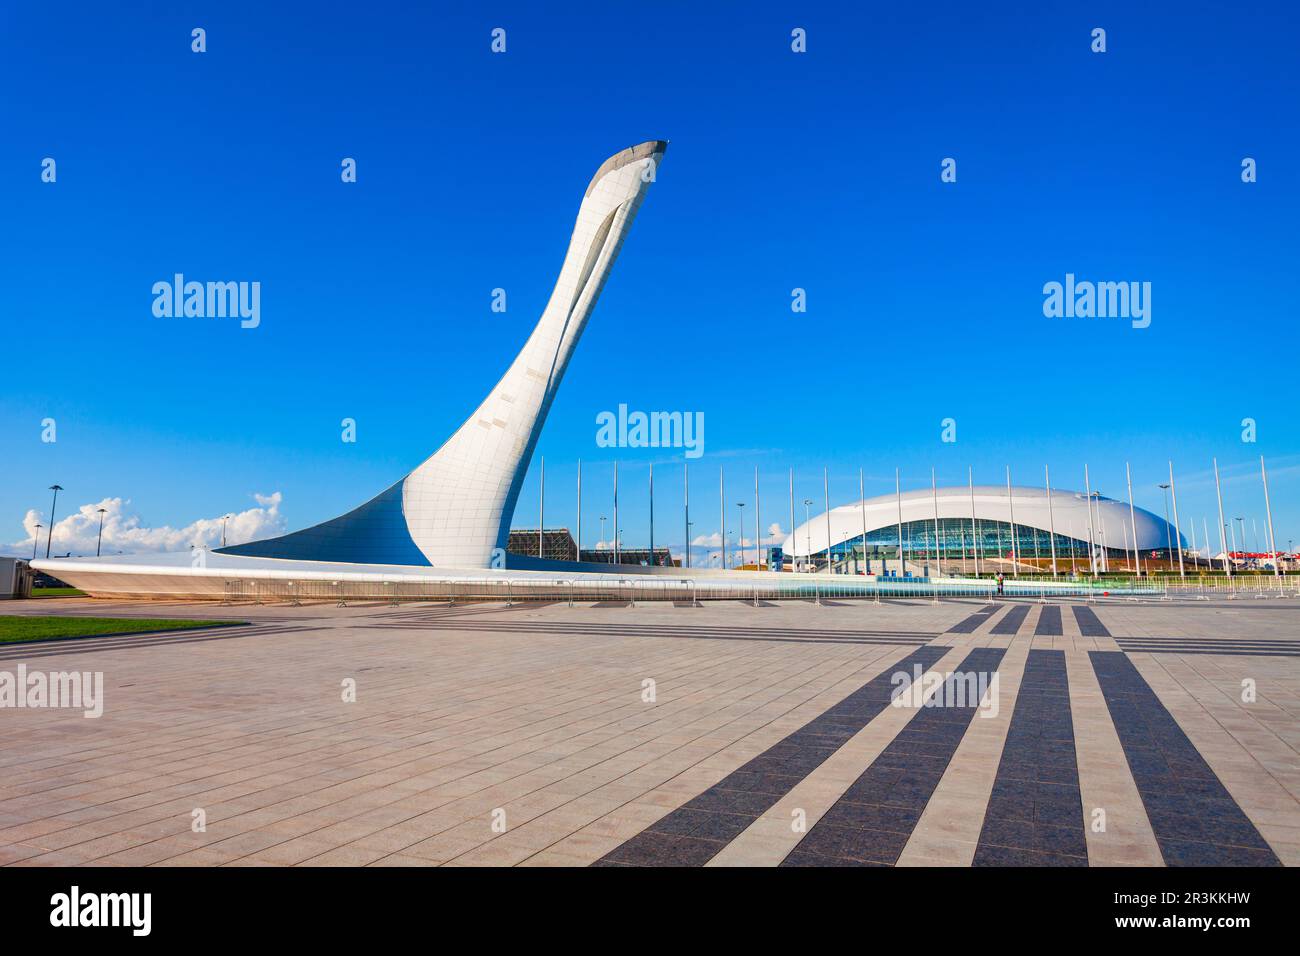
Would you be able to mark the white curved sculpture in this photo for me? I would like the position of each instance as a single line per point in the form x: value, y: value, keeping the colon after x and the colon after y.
x: 454, y: 510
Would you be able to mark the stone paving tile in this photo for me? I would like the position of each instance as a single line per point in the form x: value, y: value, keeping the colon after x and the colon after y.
x: 948, y: 830
x: 1118, y: 832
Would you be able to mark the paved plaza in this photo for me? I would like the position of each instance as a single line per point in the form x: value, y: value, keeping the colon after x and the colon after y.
x: 723, y: 734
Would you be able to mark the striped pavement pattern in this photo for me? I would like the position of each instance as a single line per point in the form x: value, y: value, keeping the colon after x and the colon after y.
x: 871, y: 823
x: 695, y: 833
x: 1079, y: 764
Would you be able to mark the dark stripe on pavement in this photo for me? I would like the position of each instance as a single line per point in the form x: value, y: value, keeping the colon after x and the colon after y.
x: 1225, y: 648
x: 696, y: 832
x: 1012, y: 620
x: 1035, y: 814
x: 872, y: 822
x: 969, y: 625
x: 1049, y: 622
x: 1195, y: 820
x: 63, y: 646
x: 1089, y: 624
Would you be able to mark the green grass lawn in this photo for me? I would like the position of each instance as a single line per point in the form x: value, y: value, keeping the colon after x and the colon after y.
x: 56, y: 592
x: 15, y: 629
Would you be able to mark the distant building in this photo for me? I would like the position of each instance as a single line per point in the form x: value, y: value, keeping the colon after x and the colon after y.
x: 15, y: 578
x: 1003, y: 529
x: 556, y: 544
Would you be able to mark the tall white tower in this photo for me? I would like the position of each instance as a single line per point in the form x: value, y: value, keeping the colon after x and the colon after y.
x: 455, y: 508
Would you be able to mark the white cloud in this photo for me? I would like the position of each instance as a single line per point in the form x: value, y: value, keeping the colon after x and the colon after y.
x: 774, y: 536
x: 123, y: 531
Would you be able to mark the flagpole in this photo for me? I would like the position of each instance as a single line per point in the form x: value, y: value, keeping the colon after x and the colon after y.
x: 1051, y: 519
x: 1011, y: 506
x: 934, y: 490
x: 1177, y: 533
x: 722, y: 515
x: 862, y: 495
x: 826, y: 489
x: 1092, y: 540
x: 902, y: 558
x: 652, y: 514
x: 1268, y: 511
x: 1218, y: 493
x: 1132, y: 517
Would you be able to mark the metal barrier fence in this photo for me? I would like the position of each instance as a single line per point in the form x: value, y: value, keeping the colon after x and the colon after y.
x: 793, y: 587
x: 1221, y: 587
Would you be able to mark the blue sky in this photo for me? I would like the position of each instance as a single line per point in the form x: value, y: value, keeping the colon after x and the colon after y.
x: 816, y: 170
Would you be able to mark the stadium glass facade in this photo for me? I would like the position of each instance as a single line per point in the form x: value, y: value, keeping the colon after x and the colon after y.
x: 956, y: 540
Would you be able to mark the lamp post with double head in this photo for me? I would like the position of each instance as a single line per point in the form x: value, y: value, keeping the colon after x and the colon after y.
x: 50, y: 537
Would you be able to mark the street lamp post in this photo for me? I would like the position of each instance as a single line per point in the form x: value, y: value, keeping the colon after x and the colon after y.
x: 1241, y: 523
x: 100, y: 539
x: 224, y: 519
x: 50, y: 538
x: 36, y: 537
